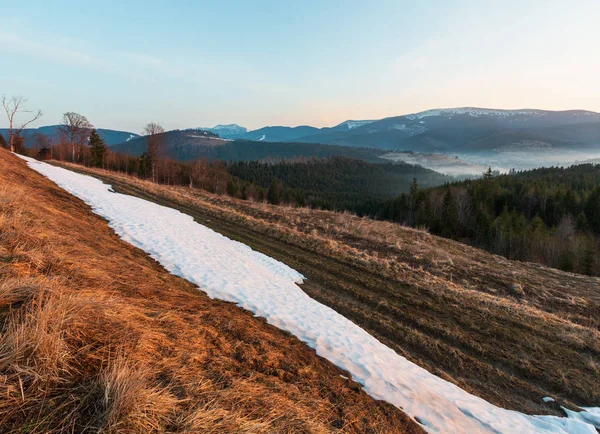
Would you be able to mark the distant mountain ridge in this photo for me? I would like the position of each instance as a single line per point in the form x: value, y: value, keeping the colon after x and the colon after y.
x: 462, y: 129
x: 501, y: 138
x: 111, y: 137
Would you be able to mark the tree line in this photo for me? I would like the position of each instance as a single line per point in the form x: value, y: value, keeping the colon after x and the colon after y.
x: 549, y: 216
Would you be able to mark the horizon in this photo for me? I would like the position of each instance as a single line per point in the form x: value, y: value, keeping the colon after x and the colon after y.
x: 315, y: 63
x: 43, y: 125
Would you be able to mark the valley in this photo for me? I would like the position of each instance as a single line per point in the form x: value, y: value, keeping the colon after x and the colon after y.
x: 310, y: 217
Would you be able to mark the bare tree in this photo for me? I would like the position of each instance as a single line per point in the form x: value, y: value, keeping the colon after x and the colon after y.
x: 462, y: 199
x: 198, y: 173
x: 77, y: 129
x: 13, y: 106
x: 156, y: 143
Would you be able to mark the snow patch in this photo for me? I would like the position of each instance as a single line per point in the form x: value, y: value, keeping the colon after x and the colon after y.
x: 227, y: 129
x: 353, y: 124
x: 474, y: 112
x: 231, y: 271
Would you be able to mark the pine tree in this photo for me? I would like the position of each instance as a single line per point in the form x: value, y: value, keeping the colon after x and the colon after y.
x: 592, y: 210
x: 273, y: 193
x: 44, y: 153
x: 449, y: 214
x: 232, y: 188
x: 145, y: 167
x: 414, y: 189
x: 488, y: 174
x: 581, y: 223
x: 98, y: 149
x: 589, y: 257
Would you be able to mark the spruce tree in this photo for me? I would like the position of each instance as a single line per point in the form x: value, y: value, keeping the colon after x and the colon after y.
x: 589, y: 257
x: 145, y: 167
x: 273, y: 193
x: 488, y: 174
x: 592, y: 210
x: 581, y: 223
x: 98, y: 149
x: 449, y: 214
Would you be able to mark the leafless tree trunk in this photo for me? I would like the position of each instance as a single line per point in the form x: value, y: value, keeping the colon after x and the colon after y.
x: 77, y: 129
x: 156, y: 143
x: 198, y: 172
x: 12, y: 106
x: 462, y: 199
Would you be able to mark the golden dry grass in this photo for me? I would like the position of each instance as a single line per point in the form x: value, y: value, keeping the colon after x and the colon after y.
x: 507, y: 331
x: 97, y: 337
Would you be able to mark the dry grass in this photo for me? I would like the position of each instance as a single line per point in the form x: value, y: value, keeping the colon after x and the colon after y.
x: 510, y: 332
x: 97, y: 337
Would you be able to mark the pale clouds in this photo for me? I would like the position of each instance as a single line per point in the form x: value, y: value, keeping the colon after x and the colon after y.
x: 81, y: 54
x: 14, y: 43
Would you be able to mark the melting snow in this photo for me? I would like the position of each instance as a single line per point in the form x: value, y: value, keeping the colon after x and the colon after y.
x: 231, y: 271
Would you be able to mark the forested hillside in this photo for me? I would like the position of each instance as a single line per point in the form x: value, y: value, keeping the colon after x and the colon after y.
x: 548, y: 215
x: 190, y: 145
x: 334, y: 183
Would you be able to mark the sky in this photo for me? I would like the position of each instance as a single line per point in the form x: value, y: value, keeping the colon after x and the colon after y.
x: 270, y: 62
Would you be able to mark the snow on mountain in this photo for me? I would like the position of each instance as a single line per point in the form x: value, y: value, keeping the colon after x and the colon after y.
x: 232, y: 271
x: 132, y: 136
x: 229, y: 131
x: 353, y: 124
x: 474, y: 112
x: 411, y: 130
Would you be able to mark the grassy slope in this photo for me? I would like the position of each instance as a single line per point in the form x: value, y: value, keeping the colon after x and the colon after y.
x: 96, y: 337
x: 507, y: 331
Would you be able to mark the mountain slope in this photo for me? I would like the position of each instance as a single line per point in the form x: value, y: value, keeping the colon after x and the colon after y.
x: 181, y: 145
x: 336, y: 183
x: 102, y: 338
x: 189, y: 145
x: 280, y: 134
x: 231, y: 271
x: 435, y: 301
x: 501, y: 138
x: 469, y: 130
x: 231, y: 131
x: 111, y: 137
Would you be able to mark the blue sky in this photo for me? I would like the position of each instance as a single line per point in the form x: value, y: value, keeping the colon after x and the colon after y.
x: 264, y: 62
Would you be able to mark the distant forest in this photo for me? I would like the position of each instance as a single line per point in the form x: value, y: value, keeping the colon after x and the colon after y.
x: 549, y: 216
x: 337, y: 183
